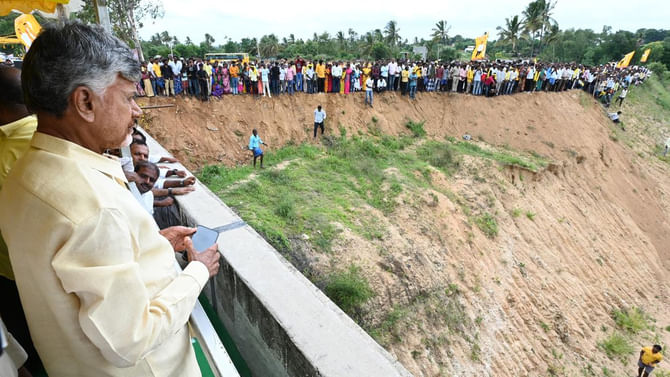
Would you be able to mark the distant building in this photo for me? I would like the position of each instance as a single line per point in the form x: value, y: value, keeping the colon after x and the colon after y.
x: 469, y: 49
x: 420, y: 50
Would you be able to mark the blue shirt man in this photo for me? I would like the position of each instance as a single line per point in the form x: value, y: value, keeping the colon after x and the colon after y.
x: 255, y: 143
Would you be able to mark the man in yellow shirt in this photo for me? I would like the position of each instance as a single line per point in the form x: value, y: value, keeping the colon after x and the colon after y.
x: 321, y: 76
x: 17, y: 127
x: 97, y: 278
x: 649, y: 359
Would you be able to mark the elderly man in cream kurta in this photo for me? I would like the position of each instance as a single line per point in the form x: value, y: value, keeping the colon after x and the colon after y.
x: 95, y: 275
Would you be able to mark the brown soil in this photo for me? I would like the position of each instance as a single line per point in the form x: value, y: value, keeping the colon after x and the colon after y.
x: 534, y: 300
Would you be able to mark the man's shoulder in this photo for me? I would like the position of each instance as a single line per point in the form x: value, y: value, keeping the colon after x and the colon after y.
x: 66, y: 186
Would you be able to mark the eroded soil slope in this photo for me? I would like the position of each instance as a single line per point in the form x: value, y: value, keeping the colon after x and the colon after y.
x: 587, y: 235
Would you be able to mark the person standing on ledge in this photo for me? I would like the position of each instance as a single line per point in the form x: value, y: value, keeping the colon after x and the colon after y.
x: 255, y: 143
x: 96, y: 277
x: 649, y: 359
x: 319, y: 117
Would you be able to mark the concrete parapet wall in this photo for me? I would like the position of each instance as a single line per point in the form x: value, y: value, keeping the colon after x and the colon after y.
x: 282, y: 324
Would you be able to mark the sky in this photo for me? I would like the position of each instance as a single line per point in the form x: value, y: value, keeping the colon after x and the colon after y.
x: 239, y: 19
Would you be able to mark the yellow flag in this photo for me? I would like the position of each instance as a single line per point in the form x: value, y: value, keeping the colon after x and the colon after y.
x: 645, y: 55
x: 623, y: 63
x: 480, y: 47
x: 27, y: 28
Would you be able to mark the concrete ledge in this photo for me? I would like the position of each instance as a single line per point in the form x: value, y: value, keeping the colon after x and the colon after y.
x: 282, y: 324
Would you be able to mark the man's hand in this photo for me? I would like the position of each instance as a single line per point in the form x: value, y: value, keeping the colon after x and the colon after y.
x: 168, y: 159
x: 210, y: 257
x: 177, y: 235
x: 180, y: 173
x: 166, y: 202
x: 188, y: 181
x: 182, y: 190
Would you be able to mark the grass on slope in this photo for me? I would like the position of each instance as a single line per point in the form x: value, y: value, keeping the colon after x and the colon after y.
x: 320, y: 189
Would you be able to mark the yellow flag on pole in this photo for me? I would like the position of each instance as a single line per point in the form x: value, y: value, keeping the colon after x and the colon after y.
x: 27, y: 28
x: 480, y: 47
x: 645, y: 55
x: 623, y: 63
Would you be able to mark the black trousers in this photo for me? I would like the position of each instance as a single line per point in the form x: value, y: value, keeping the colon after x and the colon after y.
x: 316, y: 127
x: 15, y: 320
x: 321, y: 83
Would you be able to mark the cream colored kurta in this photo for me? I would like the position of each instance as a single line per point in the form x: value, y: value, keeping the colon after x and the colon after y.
x: 96, y: 279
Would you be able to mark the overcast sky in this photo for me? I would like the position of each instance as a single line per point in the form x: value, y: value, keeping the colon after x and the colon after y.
x: 238, y: 19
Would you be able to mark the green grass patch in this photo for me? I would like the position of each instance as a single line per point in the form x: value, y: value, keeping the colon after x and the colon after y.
x: 632, y: 320
x: 487, y: 224
x: 349, y: 289
x: 416, y: 128
x: 616, y: 346
x: 532, y: 162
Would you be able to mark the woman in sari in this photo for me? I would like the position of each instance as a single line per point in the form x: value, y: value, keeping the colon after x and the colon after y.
x: 329, y: 80
x: 217, y: 89
x: 225, y: 79
x: 347, y: 79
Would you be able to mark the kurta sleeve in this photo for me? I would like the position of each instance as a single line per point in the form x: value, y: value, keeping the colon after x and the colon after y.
x: 117, y: 314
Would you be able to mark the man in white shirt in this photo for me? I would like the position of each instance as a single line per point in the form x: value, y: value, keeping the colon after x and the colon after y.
x: 392, y: 68
x: 147, y: 174
x: 369, y: 83
x: 667, y: 147
x: 336, y: 72
x: 319, y: 117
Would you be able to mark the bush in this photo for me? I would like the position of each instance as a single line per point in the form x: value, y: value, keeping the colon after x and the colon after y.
x: 349, y: 289
x: 616, y: 345
x: 632, y: 320
x: 438, y: 155
x: 416, y: 128
x: 487, y: 223
x: 658, y: 69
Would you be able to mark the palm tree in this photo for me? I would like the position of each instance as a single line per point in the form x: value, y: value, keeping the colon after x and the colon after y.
x: 532, y: 21
x: 548, y: 22
x: 553, y: 36
x: 440, y: 34
x: 391, y: 30
x: 441, y: 31
x: 511, y: 33
x: 269, y: 46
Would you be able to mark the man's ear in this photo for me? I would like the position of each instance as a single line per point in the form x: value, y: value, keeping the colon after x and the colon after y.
x: 83, y: 102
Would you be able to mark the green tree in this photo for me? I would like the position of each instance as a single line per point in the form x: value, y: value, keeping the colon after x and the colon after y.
x: 532, y: 22
x: 511, y: 33
x: 391, y: 30
x: 440, y: 35
x: 126, y: 17
x: 269, y: 46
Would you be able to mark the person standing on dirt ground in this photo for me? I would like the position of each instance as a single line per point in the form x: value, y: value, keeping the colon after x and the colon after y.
x: 667, y: 147
x: 648, y: 360
x: 319, y: 117
x: 368, y: 90
x: 255, y: 143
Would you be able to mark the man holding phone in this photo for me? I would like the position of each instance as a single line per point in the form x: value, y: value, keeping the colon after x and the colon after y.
x: 95, y: 275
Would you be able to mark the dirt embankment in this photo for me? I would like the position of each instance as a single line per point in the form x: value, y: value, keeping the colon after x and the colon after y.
x: 589, y: 234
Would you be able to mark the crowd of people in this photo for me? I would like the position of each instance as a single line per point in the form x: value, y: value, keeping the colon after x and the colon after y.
x: 104, y: 257
x: 204, y: 79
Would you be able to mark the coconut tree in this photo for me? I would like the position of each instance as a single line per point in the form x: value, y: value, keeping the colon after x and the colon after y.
x: 440, y: 34
x: 532, y: 22
x: 548, y: 22
x: 391, y: 30
x: 511, y: 33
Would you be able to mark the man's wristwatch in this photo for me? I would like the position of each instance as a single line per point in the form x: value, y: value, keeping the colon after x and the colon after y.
x: 170, y: 192
x: 174, y: 171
